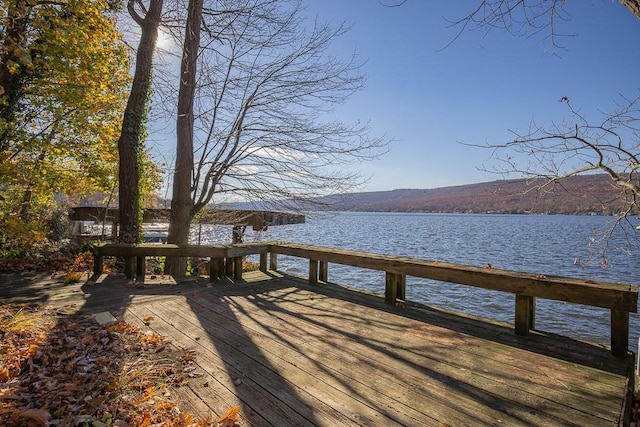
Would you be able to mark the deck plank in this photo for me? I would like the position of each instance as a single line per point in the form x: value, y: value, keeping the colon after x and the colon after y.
x: 399, y: 361
x: 291, y: 353
x: 303, y: 370
x: 440, y: 339
x: 217, y: 385
x: 400, y: 398
x: 279, y: 383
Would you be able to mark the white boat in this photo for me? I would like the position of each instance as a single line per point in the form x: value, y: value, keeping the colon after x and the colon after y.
x: 154, y: 237
x: 155, y: 233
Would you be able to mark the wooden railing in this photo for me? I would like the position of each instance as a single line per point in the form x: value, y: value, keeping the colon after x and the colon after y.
x: 620, y: 299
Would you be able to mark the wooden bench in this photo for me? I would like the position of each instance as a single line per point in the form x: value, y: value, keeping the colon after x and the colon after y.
x: 224, y: 259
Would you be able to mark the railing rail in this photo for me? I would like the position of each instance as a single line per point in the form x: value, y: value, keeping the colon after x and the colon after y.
x: 620, y: 299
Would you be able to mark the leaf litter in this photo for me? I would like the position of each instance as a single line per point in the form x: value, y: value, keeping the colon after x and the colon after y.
x: 60, y: 368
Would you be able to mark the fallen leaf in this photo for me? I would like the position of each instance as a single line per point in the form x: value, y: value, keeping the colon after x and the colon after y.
x: 67, y: 363
x: 230, y: 418
x: 37, y: 415
x: 146, y: 420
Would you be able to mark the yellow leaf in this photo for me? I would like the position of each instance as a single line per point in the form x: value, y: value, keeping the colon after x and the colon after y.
x: 146, y: 420
x: 230, y: 418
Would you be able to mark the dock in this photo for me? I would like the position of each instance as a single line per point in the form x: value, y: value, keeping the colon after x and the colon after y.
x: 291, y: 352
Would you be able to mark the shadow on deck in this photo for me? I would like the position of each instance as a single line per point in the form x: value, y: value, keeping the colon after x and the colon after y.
x: 290, y: 353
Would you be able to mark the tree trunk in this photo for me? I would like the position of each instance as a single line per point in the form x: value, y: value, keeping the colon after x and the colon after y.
x: 181, y: 199
x: 129, y: 143
x: 12, y: 80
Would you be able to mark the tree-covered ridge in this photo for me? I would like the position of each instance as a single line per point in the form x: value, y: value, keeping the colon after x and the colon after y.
x: 582, y: 195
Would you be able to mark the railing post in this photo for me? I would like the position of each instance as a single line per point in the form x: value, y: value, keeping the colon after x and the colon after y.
x: 324, y: 271
x: 525, y: 314
x: 228, y: 266
x: 619, y: 332
x: 129, y: 267
x: 401, y: 287
x: 313, y: 271
x: 273, y: 261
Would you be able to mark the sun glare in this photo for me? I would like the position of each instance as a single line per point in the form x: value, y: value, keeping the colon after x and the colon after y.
x: 164, y: 41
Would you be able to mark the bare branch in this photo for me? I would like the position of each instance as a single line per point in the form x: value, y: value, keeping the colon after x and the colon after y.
x: 266, y: 92
x: 137, y: 17
x: 521, y: 18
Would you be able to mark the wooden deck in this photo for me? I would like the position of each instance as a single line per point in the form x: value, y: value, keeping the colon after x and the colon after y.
x: 291, y: 353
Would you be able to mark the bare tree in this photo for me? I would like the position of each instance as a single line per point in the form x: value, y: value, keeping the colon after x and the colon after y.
x: 181, y: 205
x: 633, y: 6
x: 579, y: 144
x: 263, y: 125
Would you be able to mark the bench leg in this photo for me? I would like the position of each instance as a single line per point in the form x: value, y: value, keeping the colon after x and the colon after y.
x: 98, y: 261
x: 129, y: 267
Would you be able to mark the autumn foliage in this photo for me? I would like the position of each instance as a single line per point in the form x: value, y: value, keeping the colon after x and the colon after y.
x: 64, y: 81
x: 63, y: 84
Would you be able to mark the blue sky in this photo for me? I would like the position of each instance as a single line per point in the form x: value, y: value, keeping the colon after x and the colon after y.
x: 432, y: 101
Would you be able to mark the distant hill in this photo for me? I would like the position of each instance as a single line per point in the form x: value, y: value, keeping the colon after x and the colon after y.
x: 589, y: 194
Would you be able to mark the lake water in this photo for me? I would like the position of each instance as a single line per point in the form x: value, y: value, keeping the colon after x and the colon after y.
x: 551, y: 245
